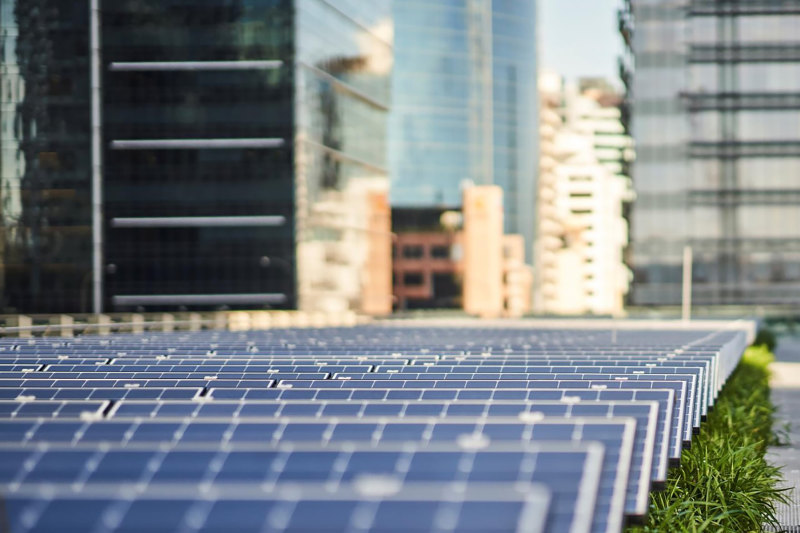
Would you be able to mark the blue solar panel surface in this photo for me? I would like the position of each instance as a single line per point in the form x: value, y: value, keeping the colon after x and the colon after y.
x: 372, y: 428
x: 429, y: 507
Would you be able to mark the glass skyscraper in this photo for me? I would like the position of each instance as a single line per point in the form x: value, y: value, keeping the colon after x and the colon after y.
x: 45, y: 163
x: 716, y: 122
x: 225, y: 138
x: 465, y: 104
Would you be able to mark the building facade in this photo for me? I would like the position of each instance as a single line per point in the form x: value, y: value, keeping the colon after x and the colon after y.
x: 45, y: 156
x: 447, y: 259
x: 236, y: 151
x: 426, y: 269
x: 464, y: 107
x: 715, y: 114
x: 582, y: 232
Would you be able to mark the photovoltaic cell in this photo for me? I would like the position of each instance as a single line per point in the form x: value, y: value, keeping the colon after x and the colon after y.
x: 279, y: 417
x: 368, y: 505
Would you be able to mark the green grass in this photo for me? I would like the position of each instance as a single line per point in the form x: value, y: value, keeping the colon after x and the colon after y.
x: 723, y: 482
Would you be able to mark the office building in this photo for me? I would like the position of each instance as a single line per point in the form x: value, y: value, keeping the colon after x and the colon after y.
x: 162, y: 154
x: 45, y: 156
x: 464, y: 105
x: 715, y: 112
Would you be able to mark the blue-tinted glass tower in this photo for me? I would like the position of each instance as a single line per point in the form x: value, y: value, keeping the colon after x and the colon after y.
x: 465, y: 104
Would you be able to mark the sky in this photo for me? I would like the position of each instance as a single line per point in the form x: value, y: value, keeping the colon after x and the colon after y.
x: 579, y: 37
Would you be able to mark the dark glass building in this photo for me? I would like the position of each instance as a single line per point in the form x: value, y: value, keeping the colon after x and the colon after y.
x: 716, y: 109
x: 228, y: 133
x: 198, y: 156
x: 465, y: 105
x: 45, y: 156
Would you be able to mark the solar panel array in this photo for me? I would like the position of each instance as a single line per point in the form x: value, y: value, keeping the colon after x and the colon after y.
x: 373, y: 428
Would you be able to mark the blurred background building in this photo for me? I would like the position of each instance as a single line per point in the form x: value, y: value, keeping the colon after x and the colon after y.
x: 426, y: 258
x: 236, y: 158
x: 583, y: 190
x: 716, y: 94
x: 465, y: 106
x: 45, y: 156
x: 464, y: 116
x: 461, y: 259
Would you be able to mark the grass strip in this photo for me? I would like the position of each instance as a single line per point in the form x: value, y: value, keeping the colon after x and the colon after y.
x: 724, y: 482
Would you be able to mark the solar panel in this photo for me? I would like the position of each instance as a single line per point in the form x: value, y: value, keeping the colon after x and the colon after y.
x: 367, y: 505
x: 259, y: 409
x: 693, y: 376
x: 587, y: 364
x: 336, y: 403
x: 617, y: 434
x: 129, y: 470
x: 374, y: 389
x: 644, y: 467
x: 109, y: 424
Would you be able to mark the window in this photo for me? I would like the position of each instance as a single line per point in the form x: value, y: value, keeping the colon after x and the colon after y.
x: 440, y: 252
x: 412, y: 278
x: 414, y: 251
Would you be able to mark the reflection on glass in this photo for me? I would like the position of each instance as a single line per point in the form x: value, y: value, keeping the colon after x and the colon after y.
x: 323, y: 106
x: 45, y: 235
x: 344, y: 58
x: 716, y: 126
x: 464, y: 104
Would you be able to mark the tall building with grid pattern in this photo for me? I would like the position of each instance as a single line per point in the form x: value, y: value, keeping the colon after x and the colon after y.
x: 163, y: 154
x: 716, y: 94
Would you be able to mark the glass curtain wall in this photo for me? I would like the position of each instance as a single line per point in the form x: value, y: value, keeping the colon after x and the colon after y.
x: 243, y: 150
x: 660, y: 224
x: 198, y: 124
x: 440, y: 101
x: 45, y: 184
x: 464, y: 106
x: 717, y: 100
x: 343, y: 72
x: 516, y: 114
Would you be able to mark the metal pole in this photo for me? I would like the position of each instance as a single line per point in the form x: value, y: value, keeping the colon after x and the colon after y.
x: 97, y: 161
x: 686, y: 311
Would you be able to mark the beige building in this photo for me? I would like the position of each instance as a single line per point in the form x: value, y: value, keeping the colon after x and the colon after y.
x: 496, y: 280
x: 483, y: 250
x: 376, y: 281
x: 345, y: 259
x: 582, y: 233
x: 517, y: 277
